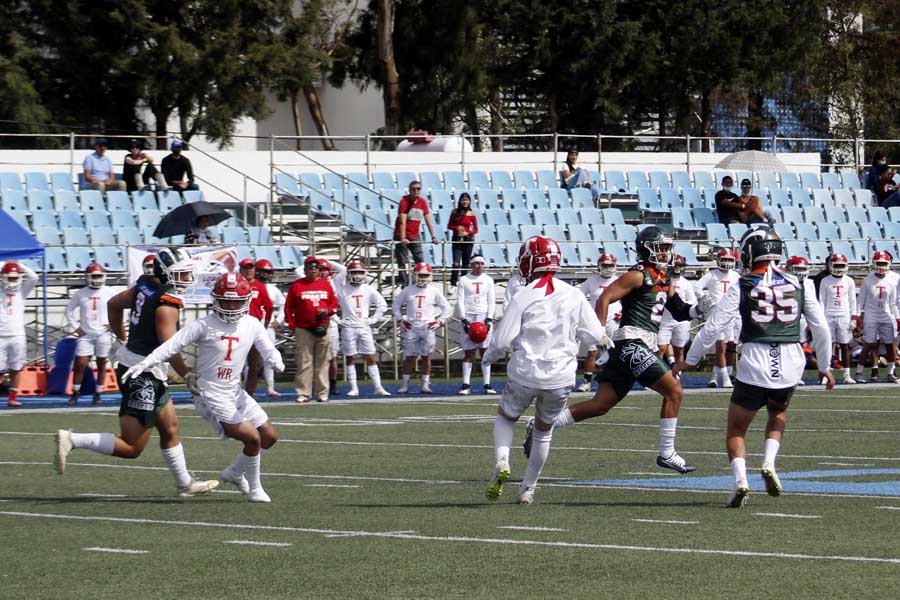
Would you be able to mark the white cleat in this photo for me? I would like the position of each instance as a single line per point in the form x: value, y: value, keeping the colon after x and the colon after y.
x: 197, y: 488
x: 403, y: 389
x: 584, y: 387
x: 353, y: 392
x: 739, y: 495
x: 848, y: 380
x: 426, y: 388
x: 712, y: 383
x: 273, y: 394
x: 235, y: 479
x: 801, y: 382
x: 380, y: 391
x: 770, y: 478
x: 259, y: 495
x: 63, y: 447
x: 526, y: 494
x: 726, y: 383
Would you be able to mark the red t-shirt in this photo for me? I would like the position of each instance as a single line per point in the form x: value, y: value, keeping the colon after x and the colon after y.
x: 261, y: 304
x: 415, y: 214
x: 469, y: 221
x: 305, y: 299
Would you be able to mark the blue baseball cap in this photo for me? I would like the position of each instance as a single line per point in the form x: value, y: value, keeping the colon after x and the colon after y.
x: 101, y: 141
x: 177, y: 144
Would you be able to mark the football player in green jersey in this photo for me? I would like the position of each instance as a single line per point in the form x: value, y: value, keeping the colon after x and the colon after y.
x: 644, y: 291
x: 769, y: 303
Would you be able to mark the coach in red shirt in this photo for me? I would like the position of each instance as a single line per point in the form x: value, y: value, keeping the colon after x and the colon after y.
x: 308, y: 308
x: 260, y: 308
x: 413, y: 209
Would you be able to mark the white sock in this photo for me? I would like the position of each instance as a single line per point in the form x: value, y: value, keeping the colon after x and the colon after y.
x: 174, y: 459
x: 76, y: 387
x: 540, y: 449
x: 269, y: 376
x: 739, y: 468
x: 102, y: 443
x: 667, y: 436
x: 467, y: 372
x: 503, y: 437
x: 564, y: 419
x: 771, y: 451
x: 351, y: 375
x: 486, y: 373
x: 405, y: 379
x: 374, y: 375
x: 891, y: 367
x: 715, y: 372
x: 846, y: 371
x: 426, y: 379
x: 249, y: 467
x: 729, y: 370
x: 670, y: 360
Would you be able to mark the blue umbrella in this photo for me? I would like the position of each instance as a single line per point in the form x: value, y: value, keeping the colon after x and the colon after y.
x: 181, y: 220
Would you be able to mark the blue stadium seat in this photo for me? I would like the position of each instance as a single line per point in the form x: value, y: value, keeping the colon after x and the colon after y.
x: 70, y: 218
x: 535, y: 198
x: 543, y: 216
x: 625, y: 233
x: 590, y: 253
x: 878, y: 214
x: 717, y: 234
x: 122, y: 218
x: 524, y: 179
x: 704, y: 180
x: 494, y: 255
x: 894, y: 213
x: 92, y: 201
x: 455, y: 180
x: 739, y: 176
x: 570, y: 256
x: 814, y: 214
x: 862, y: 251
x: 686, y: 249
x: 844, y: 247
x: 48, y: 235
x: 637, y: 180
x: 430, y: 180
x: 309, y: 182
x: 857, y: 214
x: 795, y: 248
x: 806, y: 231
x: 863, y: 198
x: 567, y: 216
x: 555, y: 232
x: 891, y: 230
x: 476, y: 179
x: 767, y: 180
x: 36, y: 181
x: 126, y: 235
x: 821, y: 197
x: 148, y: 218
x: 291, y: 257
x: 44, y: 218
x: 73, y: 236
x: 810, y: 180
x: 835, y: 214
x: 603, y: 233
x: 501, y: 180
x: 332, y: 181
x: 850, y: 180
x: 259, y: 235
x: 546, y: 179
x: 692, y: 198
x: 648, y: 201
x: 55, y: 259
x: 169, y: 201
x: 10, y: 181
x: 792, y: 214
x: 356, y: 181
x: 827, y: 231
x: 527, y: 231
x: 681, y: 180
x: 660, y: 180
x: 579, y: 233
x: 670, y: 199
x: 383, y: 180
x: 844, y: 198
x: 441, y: 202
x: 612, y: 216
x: 508, y: 233
x: 404, y: 178
x: 558, y: 198
x: 614, y: 181
x: 109, y: 257
x: 736, y: 230
x: 149, y: 238
x: 785, y: 231
x: 367, y: 199
x: 105, y: 236
x: 234, y: 235
x: 356, y: 221
x: 61, y: 181
x: 286, y: 185
x: 831, y: 181
x: 78, y: 258
x: 192, y: 196
x: 818, y: 251
x: 144, y: 200
x: 618, y: 249
x: 683, y: 220
x: 780, y: 198
x: 14, y: 201
x: 269, y: 253
x: 703, y: 215
x: 118, y: 201
x: 849, y: 231
x: 65, y: 200
x: 790, y: 181
x: 871, y: 231
x: 581, y: 198
x: 591, y: 216
x: 40, y: 200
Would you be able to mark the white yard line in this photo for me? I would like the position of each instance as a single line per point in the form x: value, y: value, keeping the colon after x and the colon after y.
x: 841, y: 464
x: 330, y: 485
x: 225, y: 491
x: 472, y: 540
x: 114, y: 550
x: 104, y: 495
x: 786, y: 516
x: 518, y: 528
x: 252, y: 543
x: 369, y: 534
x: 888, y: 507
x: 666, y: 521
x: 659, y: 474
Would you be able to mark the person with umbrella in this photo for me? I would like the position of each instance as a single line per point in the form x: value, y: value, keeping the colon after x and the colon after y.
x: 200, y: 233
x: 192, y: 221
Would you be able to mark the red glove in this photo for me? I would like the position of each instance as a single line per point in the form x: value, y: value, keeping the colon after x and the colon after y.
x: 406, y: 324
x: 617, y: 317
x: 434, y: 325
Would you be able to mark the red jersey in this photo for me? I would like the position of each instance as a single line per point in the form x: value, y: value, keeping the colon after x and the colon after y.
x: 305, y: 299
x: 469, y: 221
x: 415, y: 214
x: 260, y: 304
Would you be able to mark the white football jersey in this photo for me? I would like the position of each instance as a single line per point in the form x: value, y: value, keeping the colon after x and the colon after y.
x: 222, y: 350
x: 715, y: 282
x: 356, y: 302
x: 878, y: 299
x: 685, y: 291
x: 594, y: 286
x: 423, y: 305
x: 542, y: 331
x: 475, y: 295
x: 12, y: 315
x: 838, y: 296
x: 515, y: 283
x: 91, y: 304
x: 277, y: 297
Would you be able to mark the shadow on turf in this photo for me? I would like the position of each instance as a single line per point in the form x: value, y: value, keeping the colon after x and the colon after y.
x: 582, y: 504
x: 105, y: 500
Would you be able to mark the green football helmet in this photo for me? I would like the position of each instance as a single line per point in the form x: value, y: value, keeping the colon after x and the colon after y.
x: 654, y: 246
x: 760, y: 243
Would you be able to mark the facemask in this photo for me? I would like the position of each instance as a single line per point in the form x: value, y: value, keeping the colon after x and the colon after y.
x: 882, y: 162
x: 727, y: 188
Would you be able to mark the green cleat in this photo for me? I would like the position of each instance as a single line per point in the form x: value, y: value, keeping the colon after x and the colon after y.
x: 501, y: 474
x: 770, y: 478
x: 739, y: 496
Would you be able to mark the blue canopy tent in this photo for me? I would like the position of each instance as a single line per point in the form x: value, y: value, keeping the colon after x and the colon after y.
x: 15, y: 244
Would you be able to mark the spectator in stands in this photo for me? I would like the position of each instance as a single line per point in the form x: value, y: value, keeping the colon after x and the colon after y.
x: 751, y: 210
x: 573, y: 176
x: 887, y: 193
x: 873, y: 177
x: 412, y: 211
x: 176, y: 166
x: 463, y: 225
x: 98, y: 170
x: 201, y: 234
x: 727, y: 206
x: 131, y: 170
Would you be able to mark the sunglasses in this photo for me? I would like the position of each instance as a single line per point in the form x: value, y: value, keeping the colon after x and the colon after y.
x: 415, y: 189
x: 310, y: 266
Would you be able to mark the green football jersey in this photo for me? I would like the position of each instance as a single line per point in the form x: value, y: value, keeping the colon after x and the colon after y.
x: 770, y: 310
x: 643, y: 307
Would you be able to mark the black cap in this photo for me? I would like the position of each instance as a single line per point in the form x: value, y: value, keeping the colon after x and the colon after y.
x: 745, y: 182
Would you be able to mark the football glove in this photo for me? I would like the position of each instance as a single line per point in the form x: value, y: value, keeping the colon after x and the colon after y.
x: 277, y: 364
x: 706, y: 303
x: 465, y: 325
x: 191, y: 380
x: 406, y: 325
x: 435, y: 325
x: 487, y: 323
x: 134, y: 371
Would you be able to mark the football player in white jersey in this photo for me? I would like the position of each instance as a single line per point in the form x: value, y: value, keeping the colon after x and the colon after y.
x: 711, y: 289
x: 593, y: 288
x: 91, y: 327
x: 265, y: 272
x: 336, y: 274
x: 475, y: 303
x: 513, y: 285
x: 798, y: 266
x: 878, y: 313
x: 223, y: 341
x: 674, y: 335
x: 426, y: 312
x: 17, y: 281
x: 542, y: 327
x: 356, y: 298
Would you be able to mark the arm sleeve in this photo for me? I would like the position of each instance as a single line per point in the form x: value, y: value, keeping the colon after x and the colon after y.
x: 30, y: 280
x: 853, y: 309
x: 380, y: 305
x: 174, y: 344
x: 510, y: 327
x: 70, y: 311
x: 491, y: 301
x: 815, y: 319
x: 289, y: 308
x: 445, y: 307
x: 399, y: 301
x: 720, y: 318
x: 679, y: 309
x: 589, y: 326
x: 461, y: 300
x: 863, y: 298
x: 265, y: 346
x: 702, y: 284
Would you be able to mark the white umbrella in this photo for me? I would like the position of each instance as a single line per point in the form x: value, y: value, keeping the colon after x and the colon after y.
x: 751, y: 160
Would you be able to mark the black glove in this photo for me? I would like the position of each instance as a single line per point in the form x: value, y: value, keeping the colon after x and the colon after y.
x: 487, y: 323
x: 320, y: 316
x: 465, y: 325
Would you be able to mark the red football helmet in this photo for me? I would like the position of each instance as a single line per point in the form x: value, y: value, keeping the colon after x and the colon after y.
x: 147, y: 264
x: 725, y: 259
x: 799, y: 266
x: 12, y: 276
x: 539, y: 254
x: 231, y: 297
x: 422, y: 271
x: 837, y: 265
x: 95, y: 275
x: 356, y: 272
x: 882, y: 261
x: 265, y: 270
x: 678, y: 265
x: 324, y: 268
x: 606, y: 265
x: 478, y: 332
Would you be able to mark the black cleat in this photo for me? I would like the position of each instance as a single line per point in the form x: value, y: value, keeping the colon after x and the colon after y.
x: 676, y: 463
x: 529, y: 434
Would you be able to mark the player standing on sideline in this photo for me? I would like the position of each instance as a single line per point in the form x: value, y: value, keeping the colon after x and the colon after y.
x: 541, y: 327
x: 223, y: 342
x: 878, y: 313
x: 356, y: 298
x: 674, y: 335
x: 592, y: 288
x: 17, y: 280
x: 426, y: 311
x: 715, y: 283
x: 265, y: 273
x: 837, y: 294
x: 475, y: 303
x: 261, y: 309
x: 155, y: 304
x: 769, y: 303
x: 645, y: 290
x: 336, y: 274
x: 91, y: 327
